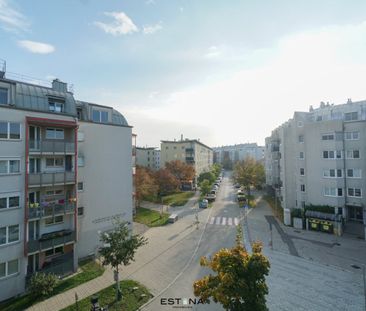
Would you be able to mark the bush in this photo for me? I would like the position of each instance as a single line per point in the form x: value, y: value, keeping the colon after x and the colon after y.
x: 42, y: 284
x: 296, y: 212
x: 320, y: 208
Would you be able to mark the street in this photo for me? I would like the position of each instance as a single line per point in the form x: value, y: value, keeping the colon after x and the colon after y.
x: 303, y: 266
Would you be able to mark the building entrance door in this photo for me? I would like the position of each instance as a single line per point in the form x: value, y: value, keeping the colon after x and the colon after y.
x: 355, y: 213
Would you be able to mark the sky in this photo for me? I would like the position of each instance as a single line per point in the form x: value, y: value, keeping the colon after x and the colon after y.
x: 223, y: 71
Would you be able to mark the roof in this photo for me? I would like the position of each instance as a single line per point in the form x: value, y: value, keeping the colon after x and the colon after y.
x: 185, y: 141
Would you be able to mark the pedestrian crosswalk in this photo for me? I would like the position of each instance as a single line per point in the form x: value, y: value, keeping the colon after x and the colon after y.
x: 224, y: 221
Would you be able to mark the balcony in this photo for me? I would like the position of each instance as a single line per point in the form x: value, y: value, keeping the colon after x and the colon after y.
x: 51, y: 240
x: 60, y: 266
x: 45, y: 209
x: 51, y: 146
x: 50, y: 179
x: 189, y: 150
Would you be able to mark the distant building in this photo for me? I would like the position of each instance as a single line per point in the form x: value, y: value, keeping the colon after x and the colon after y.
x: 190, y: 151
x: 148, y: 157
x: 318, y: 157
x: 65, y: 171
x: 238, y: 152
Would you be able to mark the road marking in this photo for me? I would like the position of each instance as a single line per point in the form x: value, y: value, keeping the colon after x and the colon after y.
x: 230, y: 221
x: 223, y: 221
x: 236, y: 221
x: 212, y: 220
x: 218, y: 220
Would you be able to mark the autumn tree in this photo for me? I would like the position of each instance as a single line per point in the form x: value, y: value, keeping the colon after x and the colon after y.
x: 249, y: 172
x: 145, y: 184
x: 166, y: 181
x: 239, y: 280
x: 182, y: 171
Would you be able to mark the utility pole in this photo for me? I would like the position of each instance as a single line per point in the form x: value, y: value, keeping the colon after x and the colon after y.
x: 364, y: 283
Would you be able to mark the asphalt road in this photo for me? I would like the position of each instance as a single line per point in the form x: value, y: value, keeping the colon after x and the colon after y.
x: 169, y: 265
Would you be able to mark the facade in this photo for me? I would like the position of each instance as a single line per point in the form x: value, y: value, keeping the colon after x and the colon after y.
x: 62, y: 178
x: 148, y: 157
x: 318, y: 157
x: 238, y: 152
x: 190, y: 151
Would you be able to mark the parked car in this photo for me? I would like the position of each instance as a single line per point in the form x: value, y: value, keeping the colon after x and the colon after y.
x: 210, y: 197
x: 241, y: 197
x: 217, y: 184
x: 173, y: 218
x: 215, y: 187
x: 213, y: 191
x: 203, y: 203
x: 237, y: 185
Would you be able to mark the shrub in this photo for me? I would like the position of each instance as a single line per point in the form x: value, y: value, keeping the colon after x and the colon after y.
x: 42, y: 284
x: 296, y: 212
x: 320, y: 208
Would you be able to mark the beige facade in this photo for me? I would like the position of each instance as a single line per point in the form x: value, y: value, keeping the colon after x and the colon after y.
x: 148, y: 157
x: 189, y: 151
x: 318, y: 157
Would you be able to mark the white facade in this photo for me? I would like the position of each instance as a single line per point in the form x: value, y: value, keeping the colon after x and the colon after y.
x: 238, y: 152
x: 318, y: 157
x: 148, y: 157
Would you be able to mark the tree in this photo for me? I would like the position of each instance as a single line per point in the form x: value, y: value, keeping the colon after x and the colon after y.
x: 248, y: 173
x: 216, y: 169
x: 182, y: 171
x: 205, y: 186
x: 239, y: 283
x: 208, y: 176
x: 145, y: 184
x: 119, y: 248
x: 166, y: 181
x: 42, y: 284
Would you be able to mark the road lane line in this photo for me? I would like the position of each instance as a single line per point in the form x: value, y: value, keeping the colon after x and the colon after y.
x: 230, y: 221
x: 224, y: 221
x: 212, y: 220
x: 236, y: 221
x: 218, y: 220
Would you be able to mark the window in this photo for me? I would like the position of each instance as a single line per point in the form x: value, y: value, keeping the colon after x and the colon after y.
x: 100, y: 116
x: 52, y: 133
x: 9, y: 202
x: 80, y: 186
x: 3, y: 96
x: 328, y: 137
x: 55, y: 105
x: 354, y: 173
x: 9, y: 166
x: 54, y: 251
x: 333, y: 192
x: 300, y: 123
x: 9, y: 268
x: 80, y: 136
x: 80, y: 161
x: 80, y: 211
x: 9, y: 234
x: 333, y: 173
x: 56, y: 220
x: 9, y: 130
x: 302, y: 188
x: 352, y: 135
x: 301, y: 155
x: 301, y: 138
x: 354, y: 192
x: 351, y: 116
x: 353, y: 154
x: 55, y: 162
x: 330, y: 154
x: 302, y: 171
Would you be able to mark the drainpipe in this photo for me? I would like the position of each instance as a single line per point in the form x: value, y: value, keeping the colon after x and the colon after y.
x: 344, y: 169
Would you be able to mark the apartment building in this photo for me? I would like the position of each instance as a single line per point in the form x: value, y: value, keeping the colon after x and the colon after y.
x: 148, y: 157
x: 318, y: 157
x: 238, y: 152
x: 190, y: 151
x: 65, y: 172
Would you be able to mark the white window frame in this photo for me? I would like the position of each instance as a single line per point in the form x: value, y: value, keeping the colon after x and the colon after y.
x: 7, y: 197
x: 330, y: 189
x: 352, y: 135
x: 7, y: 235
x: 301, y: 186
x: 53, y: 221
x: 327, y: 135
x: 354, y: 192
x: 54, y: 130
x: 8, y: 166
x: 7, y: 269
x: 353, y: 173
x: 58, y: 107
x: 351, y: 114
x: 303, y: 155
x: 302, y: 140
x: 80, y: 190
x: 300, y: 124
x: 302, y: 168
x: 81, y: 161
x: 7, y: 89
x: 8, y: 131
x: 327, y: 173
x: 54, y: 162
x: 352, y: 154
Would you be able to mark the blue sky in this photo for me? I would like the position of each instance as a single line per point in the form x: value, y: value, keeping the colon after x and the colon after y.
x: 222, y: 71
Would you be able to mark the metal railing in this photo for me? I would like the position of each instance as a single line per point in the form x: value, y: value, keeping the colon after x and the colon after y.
x: 46, y: 242
x: 39, y: 179
x: 51, y: 146
x: 52, y: 209
x: 60, y: 266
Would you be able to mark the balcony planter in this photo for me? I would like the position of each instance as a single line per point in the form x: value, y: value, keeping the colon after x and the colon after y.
x: 53, y: 235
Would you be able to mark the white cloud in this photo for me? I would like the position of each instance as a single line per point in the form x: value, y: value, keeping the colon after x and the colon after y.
x: 301, y: 70
x: 181, y: 9
x: 213, y: 52
x: 121, y: 24
x: 150, y: 2
x: 151, y: 29
x: 11, y: 19
x: 36, y: 47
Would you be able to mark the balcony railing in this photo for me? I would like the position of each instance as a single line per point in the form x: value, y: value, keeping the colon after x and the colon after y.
x: 51, y: 146
x: 60, y: 265
x: 50, y: 209
x: 39, y: 179
x: 51, y: 240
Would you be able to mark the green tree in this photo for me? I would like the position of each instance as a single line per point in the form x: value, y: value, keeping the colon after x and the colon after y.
x: 119, y: 248
x: 249, y: 173
x: 42, y: 284
x: 216, y: 169
x: 205, y: 187
x: 206, y: 176
x: 239, y: 283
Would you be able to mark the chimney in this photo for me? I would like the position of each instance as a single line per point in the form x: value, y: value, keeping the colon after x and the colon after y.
x: 349, y: 101
x: 59, y: 86
x: 181, y: 137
